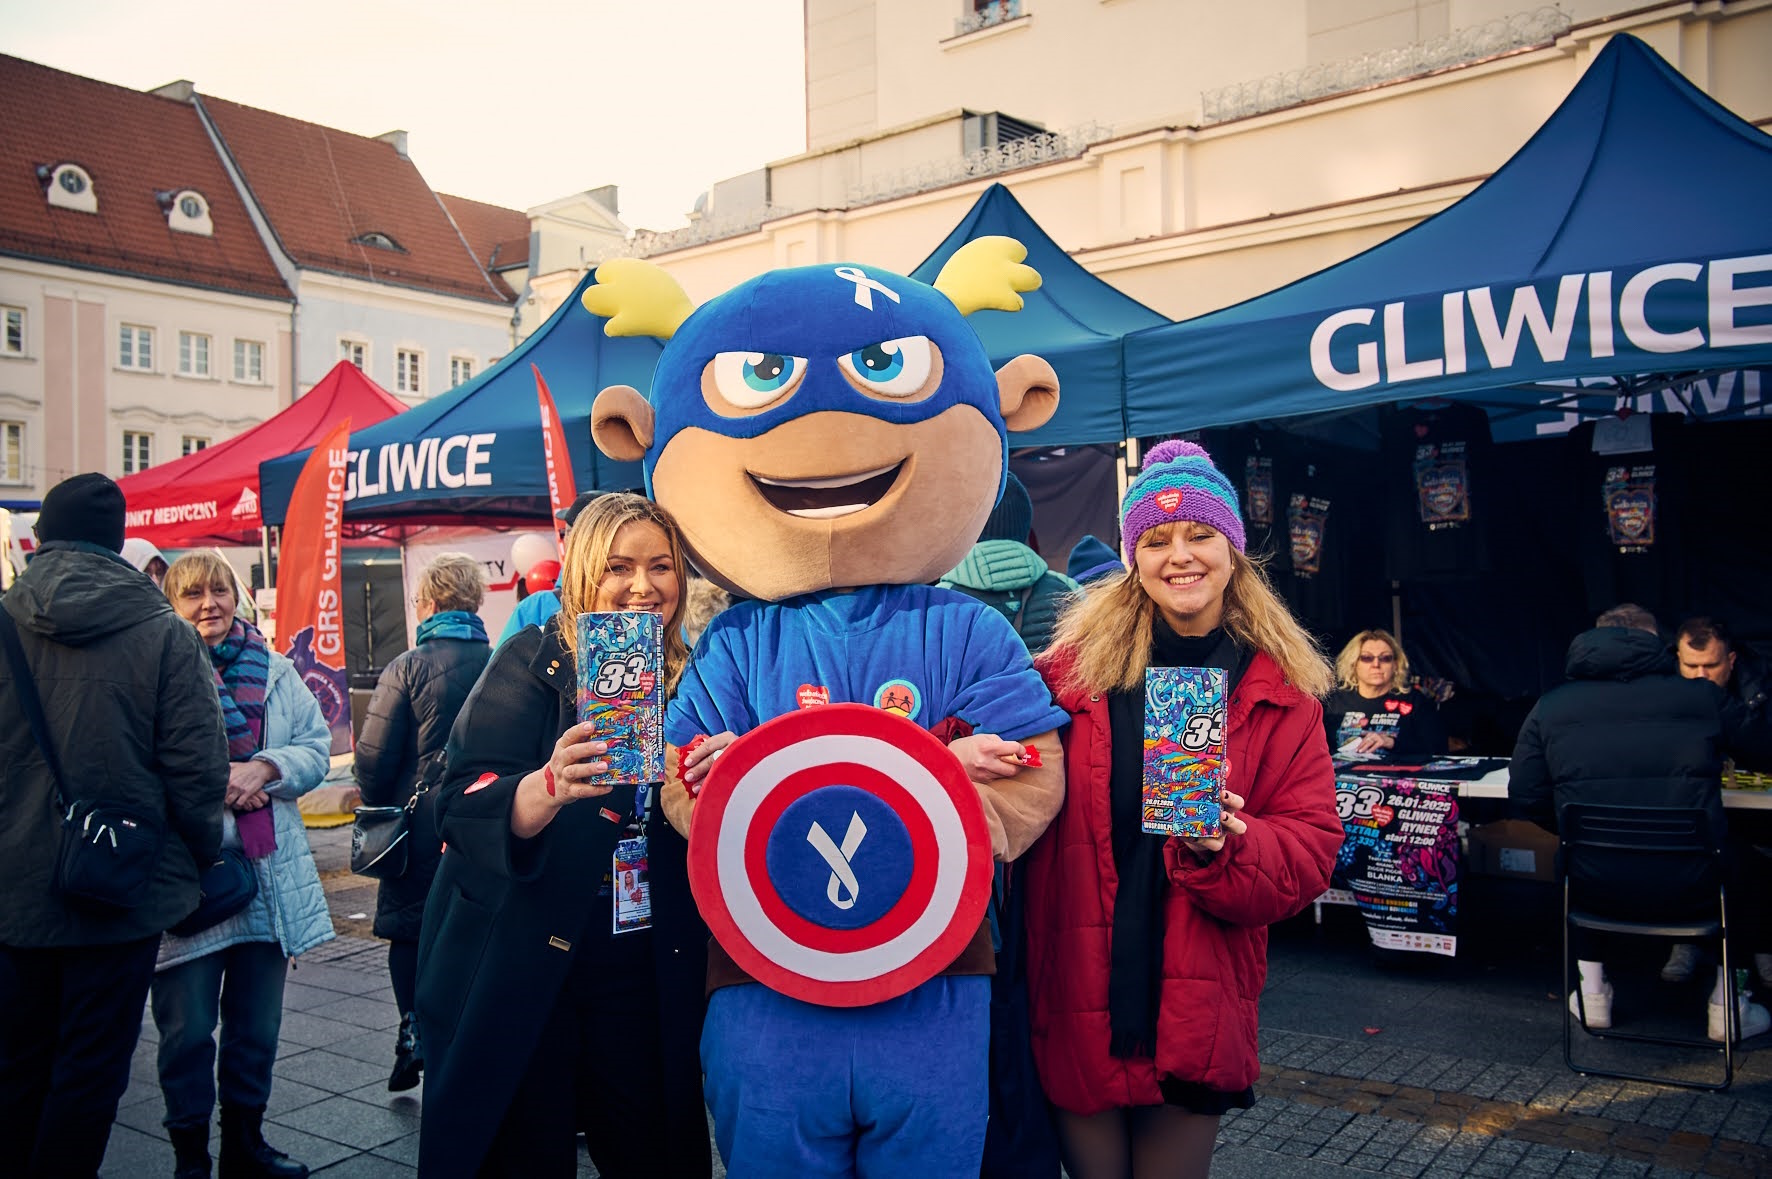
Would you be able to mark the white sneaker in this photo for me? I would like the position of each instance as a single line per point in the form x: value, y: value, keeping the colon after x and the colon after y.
x: 1599, y: 1007
x: 1753, y: 1021
x: 1763, y: 967
x: 1680, y: 963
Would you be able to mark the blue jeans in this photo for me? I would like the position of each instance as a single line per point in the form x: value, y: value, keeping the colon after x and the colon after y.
x: 242, y: 986
x: 898, y: 1088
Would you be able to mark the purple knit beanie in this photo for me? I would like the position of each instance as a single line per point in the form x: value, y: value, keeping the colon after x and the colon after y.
x: 1178, y: 483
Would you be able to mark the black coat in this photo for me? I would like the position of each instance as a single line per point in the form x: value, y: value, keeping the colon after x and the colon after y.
x: 490, y: 964
x: 128, y: 693
x: 1625, y: 731
x: 414, y: 706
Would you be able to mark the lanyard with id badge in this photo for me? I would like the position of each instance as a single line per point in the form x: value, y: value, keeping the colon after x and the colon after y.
x: 620, y: 691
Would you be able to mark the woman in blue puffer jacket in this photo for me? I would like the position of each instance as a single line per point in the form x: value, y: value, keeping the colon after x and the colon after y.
x: 233, y: 971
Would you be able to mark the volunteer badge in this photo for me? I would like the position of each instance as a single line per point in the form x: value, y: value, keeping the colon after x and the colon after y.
x: 840, y: 855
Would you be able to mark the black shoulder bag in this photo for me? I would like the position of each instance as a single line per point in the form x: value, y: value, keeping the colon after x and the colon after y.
x: 381, y: 836
x: 108, y: 850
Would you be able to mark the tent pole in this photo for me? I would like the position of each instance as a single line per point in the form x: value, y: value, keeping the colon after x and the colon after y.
x: 1397, y: 610
x: 264, y: 553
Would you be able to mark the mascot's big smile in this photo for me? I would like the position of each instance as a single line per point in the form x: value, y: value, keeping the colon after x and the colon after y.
x: 825, y: 499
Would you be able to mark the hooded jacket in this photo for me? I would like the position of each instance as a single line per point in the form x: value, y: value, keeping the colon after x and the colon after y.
x: 130, y: 700
x: 1013, y: 578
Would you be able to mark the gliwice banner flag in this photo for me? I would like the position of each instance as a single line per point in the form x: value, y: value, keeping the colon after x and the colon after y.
x: 562, y: 490
x: 310, y: 595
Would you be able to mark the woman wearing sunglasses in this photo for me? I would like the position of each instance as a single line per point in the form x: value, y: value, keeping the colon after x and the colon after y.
x: 1375, y: 713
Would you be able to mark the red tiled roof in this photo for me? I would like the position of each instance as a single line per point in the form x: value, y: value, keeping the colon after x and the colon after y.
x: 322, y: 188
x: 134, y: 146
x: 498, y: 236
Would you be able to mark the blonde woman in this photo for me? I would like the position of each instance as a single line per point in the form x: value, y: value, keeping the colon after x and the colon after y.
x: 1147, y: 954
x: 1374, y: 713
x: 416, y: 702
x: 539, y: 1019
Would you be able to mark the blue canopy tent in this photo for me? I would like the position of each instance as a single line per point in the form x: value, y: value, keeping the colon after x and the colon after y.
x: 1075, y: 321
x: 473, y: 455
x: 1627, y: 239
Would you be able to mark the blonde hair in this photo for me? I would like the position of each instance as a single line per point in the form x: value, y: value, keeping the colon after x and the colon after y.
x: 1349, y: 659
x: 454, y: 581
x: 587, y: 561
x: 1109, y: 629
x: 702, y: 600
x: 201, y: 567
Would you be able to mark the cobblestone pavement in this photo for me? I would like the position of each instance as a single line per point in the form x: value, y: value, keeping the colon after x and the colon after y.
x: 1410, y: 1066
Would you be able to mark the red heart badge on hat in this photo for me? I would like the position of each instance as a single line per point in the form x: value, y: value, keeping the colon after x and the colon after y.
x: 1169, y: 498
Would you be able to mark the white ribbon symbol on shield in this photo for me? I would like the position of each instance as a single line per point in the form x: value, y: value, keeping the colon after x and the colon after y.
x: 842, y: 875
x: 865, y: 286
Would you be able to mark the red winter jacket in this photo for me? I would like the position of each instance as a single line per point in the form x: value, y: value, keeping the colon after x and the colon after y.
x: 1215, y: 944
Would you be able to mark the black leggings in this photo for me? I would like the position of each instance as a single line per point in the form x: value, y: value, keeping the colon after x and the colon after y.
x: 403, y: 973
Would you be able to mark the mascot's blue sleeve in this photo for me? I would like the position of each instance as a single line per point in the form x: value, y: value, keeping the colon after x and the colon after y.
x: 711, y: 696
x: 998, y: 691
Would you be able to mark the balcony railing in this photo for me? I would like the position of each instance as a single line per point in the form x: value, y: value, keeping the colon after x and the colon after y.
x: 1042, y: 148
x: 984, y: 16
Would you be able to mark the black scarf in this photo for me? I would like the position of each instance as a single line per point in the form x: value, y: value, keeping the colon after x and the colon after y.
x: 1136, y: 949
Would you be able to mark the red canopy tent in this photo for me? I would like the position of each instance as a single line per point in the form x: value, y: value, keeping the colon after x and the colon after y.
x: 211, y: 497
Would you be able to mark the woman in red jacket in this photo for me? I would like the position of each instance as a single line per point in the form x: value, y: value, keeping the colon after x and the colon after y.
x: 1147, y: 954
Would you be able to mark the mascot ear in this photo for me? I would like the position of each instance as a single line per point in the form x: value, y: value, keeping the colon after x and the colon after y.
x: 1027, y: 393
x: 621, y: 423
x: 987, y: 273
x: 638, y: 299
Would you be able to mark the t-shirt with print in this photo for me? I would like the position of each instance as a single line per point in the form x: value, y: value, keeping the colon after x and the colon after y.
x: 1254, y: 459
x: 1410, y: 718
x: 1437, y: 475
x: 1631, y: 482
x: 924, y: 653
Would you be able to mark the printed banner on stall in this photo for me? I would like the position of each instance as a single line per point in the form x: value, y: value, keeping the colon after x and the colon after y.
x: 309, y: 593
x: 1400, y: 860
x: 562, y: 489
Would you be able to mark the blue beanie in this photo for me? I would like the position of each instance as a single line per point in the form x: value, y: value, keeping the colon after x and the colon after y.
x: 1092, y: 559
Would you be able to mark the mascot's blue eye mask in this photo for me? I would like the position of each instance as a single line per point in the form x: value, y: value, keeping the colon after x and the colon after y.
x: 819, y: 338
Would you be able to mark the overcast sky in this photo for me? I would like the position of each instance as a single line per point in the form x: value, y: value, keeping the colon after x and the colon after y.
x: 515, y: 102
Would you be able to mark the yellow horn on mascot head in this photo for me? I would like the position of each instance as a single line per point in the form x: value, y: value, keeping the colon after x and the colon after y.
x: 985, y: 274
x: 638, y: 299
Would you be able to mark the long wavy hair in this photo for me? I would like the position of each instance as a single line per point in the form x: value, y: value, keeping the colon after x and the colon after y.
x: 1109, y: 629
x: 1348, y: 661
x: 587, y: 561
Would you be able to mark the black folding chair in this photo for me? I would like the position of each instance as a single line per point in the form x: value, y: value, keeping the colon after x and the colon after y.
x: 1650, y: 845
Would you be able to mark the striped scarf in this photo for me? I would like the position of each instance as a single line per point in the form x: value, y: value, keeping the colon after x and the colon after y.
x: 242, y: 668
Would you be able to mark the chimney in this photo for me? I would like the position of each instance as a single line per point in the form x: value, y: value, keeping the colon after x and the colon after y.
x: 396, y: 140
x: 179, y: 91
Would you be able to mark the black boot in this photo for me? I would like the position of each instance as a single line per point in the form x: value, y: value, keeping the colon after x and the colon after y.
x: 190, y: 1151
x: 409, y: 1058
x: 244, y: 1152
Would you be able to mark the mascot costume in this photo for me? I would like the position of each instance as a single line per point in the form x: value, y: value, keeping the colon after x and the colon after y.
x: 830, y: 440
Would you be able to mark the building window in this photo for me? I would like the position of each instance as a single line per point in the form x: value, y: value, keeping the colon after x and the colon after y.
x: 406, y: 366
x: 12, y: 452
x: 192, y: 443
x: 249, y: 362
x: 193, y: 354
x: 355, y: 351
x: 138, y: 452
x: 461, y: 370
x: 135, y: 348
x: 12, y: 331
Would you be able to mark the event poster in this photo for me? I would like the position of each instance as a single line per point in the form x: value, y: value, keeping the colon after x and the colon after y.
x: 1183, y: 751
x: 621, y: 691
x: 310, y: 591
x: 1400, y: 859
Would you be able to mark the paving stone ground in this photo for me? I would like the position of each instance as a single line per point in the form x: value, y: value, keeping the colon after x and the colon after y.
x: 1400, y: 1066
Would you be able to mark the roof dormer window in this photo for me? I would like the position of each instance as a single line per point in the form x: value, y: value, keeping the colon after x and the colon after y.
x: 69, y: 187
x: 379, y: 240
x: 187, y: 212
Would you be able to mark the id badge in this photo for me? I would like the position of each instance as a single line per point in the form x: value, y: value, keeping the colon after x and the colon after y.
x: 633, y: 893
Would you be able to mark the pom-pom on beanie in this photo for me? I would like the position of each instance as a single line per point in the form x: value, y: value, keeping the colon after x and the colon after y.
x: 1179, y: 482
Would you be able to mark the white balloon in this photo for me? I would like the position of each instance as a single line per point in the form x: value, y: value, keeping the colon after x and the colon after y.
x: 529, y: 548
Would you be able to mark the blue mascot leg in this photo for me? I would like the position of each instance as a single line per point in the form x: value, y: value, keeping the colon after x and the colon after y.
x: 898, y: 1088
x: 922, y: 1081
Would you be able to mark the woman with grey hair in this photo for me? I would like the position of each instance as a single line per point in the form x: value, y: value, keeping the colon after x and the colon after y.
x: 401, y: 745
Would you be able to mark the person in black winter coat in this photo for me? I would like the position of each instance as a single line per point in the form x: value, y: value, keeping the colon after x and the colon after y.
x: 539, y: 1020
x: 129, y: 701
x: 415, y: 704
x: 1627, y: 731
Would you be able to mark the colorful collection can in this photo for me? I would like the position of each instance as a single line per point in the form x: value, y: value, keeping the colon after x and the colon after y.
x: 621, y: 691
x: 1184, y: 762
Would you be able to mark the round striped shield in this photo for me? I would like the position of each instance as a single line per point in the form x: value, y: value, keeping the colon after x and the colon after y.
x: 840, y: 855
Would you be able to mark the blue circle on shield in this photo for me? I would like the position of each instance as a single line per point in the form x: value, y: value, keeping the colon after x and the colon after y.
x: 839, y: 857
